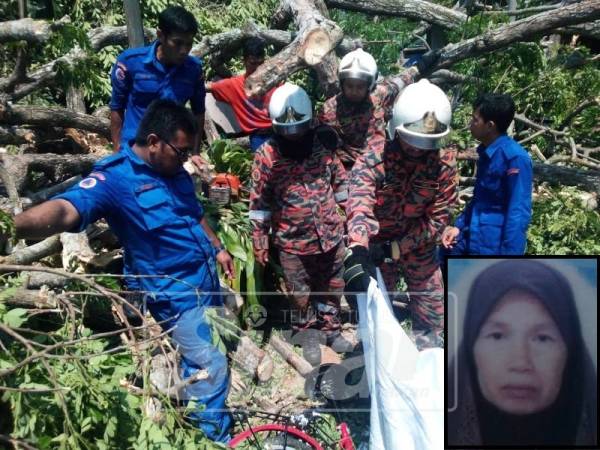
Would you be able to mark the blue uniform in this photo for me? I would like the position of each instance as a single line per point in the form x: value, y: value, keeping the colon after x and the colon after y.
x: 138, y: 77
x: 156, y: 219
x: 495, y: 221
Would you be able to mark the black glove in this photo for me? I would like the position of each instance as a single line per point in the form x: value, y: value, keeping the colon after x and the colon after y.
x: 358, y: 269
x: 427, y: 60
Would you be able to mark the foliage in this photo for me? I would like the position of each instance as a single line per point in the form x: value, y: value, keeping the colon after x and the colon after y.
x: 561, y: 225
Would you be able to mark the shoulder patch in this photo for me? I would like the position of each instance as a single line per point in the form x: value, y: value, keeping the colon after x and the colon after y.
x: 88, y: 183
x: 512, y: 171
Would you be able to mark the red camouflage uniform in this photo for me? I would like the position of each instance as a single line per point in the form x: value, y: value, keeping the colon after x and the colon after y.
x: 361, y: 126
x: 298, y: 201
x: 408, y: 200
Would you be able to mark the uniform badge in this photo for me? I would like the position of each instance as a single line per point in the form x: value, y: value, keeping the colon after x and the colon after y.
x: 120, y: 72
x: 88, y: 183
x: 99, y: 176
x: 512, y: 171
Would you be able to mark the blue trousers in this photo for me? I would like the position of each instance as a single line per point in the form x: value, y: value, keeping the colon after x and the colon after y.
x: 192, y: 334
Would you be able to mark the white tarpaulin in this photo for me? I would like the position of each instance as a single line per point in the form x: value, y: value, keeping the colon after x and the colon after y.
x: 406, y: 386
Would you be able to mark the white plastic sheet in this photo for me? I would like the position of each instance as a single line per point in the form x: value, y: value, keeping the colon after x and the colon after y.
x: 406, y: 386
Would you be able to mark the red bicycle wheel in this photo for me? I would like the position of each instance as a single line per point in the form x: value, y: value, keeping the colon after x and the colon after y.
x: 273, y: 436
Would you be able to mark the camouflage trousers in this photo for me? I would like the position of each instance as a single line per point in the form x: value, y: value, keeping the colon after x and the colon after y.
x: 315, y: 285
x: 421, y: 271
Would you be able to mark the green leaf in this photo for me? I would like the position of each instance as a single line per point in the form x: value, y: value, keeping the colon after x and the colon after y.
x: 15, y: 317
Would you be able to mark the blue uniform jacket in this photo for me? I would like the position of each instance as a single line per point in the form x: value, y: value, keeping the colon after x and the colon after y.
x: 496, y: 219
x: 138, y: 78
x: 157, y: 220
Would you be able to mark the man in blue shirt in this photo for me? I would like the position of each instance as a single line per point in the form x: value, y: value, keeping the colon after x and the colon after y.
x: 163, y: 69
x: 148, y: 200
x: 495, y: 221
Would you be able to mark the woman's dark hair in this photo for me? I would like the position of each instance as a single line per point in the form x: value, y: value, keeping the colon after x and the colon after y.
x: 500, y: 108
x: 254, y: 47
x: 164, y: 118
x: 176, y: 19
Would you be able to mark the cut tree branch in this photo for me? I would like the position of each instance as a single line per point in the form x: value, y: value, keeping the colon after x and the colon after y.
x: 522, y: 30
x: 53, y: 117
x: 32, y: 31
x: 316, y: 37
x: 413, y: 9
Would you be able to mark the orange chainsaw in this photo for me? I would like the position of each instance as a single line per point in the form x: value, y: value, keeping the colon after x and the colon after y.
x: 223, y: 188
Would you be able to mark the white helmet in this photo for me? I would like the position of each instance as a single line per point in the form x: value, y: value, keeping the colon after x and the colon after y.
x: 421, y: 116
x: 358, y: 65
x: 290, y: 110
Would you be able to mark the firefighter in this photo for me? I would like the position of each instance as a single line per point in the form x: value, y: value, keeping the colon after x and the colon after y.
x: 360, y: 111
x: 297, y: 185
x: 402, y: 203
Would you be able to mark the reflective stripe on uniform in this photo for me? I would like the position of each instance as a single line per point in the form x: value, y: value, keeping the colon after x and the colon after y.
x: 260, y: 215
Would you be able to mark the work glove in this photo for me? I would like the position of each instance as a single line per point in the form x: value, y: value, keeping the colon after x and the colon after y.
x: 427, y: 61
x: 358, y: 269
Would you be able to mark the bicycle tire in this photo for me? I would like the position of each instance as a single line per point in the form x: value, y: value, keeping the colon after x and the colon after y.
x: 297, y: 439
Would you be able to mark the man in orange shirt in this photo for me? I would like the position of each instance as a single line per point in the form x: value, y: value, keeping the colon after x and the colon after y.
x: 251, y: 113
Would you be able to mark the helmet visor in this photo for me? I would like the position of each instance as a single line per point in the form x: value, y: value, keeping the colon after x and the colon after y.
x: 427, y: 125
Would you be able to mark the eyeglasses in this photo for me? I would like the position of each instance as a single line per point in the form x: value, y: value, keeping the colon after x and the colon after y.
x: 182, y: 153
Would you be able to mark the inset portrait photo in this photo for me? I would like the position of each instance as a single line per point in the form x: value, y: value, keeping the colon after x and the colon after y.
x: 521, y: 353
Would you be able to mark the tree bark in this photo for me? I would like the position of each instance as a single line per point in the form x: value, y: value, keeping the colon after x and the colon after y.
x: 32, y: 31
x: 287, y: 351
x: 56, y: 168
x: 522, y: 30
x: 53, y: 117
x: 47, y: 247
x: 253, y: 360
x: 317, y: 36
x: 413, y: 9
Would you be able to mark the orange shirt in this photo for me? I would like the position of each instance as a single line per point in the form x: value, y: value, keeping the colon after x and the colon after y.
x: 251, y: 114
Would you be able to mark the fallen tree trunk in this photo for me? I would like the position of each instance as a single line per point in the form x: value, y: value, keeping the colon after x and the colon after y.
x: 317, y: 36
x: 53, y: 117
x: 588, y: 180
x: 31, y: 298
x: 522, y: 30
x: 413, y: 9
x: 56, y: 168
x: 32, y: 31
x: 47, y: 247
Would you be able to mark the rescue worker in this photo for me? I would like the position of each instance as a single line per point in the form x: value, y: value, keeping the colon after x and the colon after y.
x: 297, y: 184
x: 496, y: 219
x: 164, y: 69
x: 401, y: 205
x: 251, y: 113
x: 148, y: 200
x: 360, y: 111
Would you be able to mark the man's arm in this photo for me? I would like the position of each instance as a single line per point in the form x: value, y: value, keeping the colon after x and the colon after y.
x: 518, y: 213
x: 198, y: 143
x: 51, y: 217
x: 121, y: 83
x: 260, y: 204
x: 429, y: 227
x: 223, y: 256
x: 116, y: 125
x: 362, y: 197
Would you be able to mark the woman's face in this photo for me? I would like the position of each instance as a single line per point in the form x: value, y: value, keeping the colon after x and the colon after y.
x: 520, y: 355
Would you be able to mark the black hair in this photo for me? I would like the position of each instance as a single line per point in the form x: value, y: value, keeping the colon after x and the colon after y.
x: 177, y: 19
x: 254, y: 47
x: 164, y: 118
x: 499, y: 108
